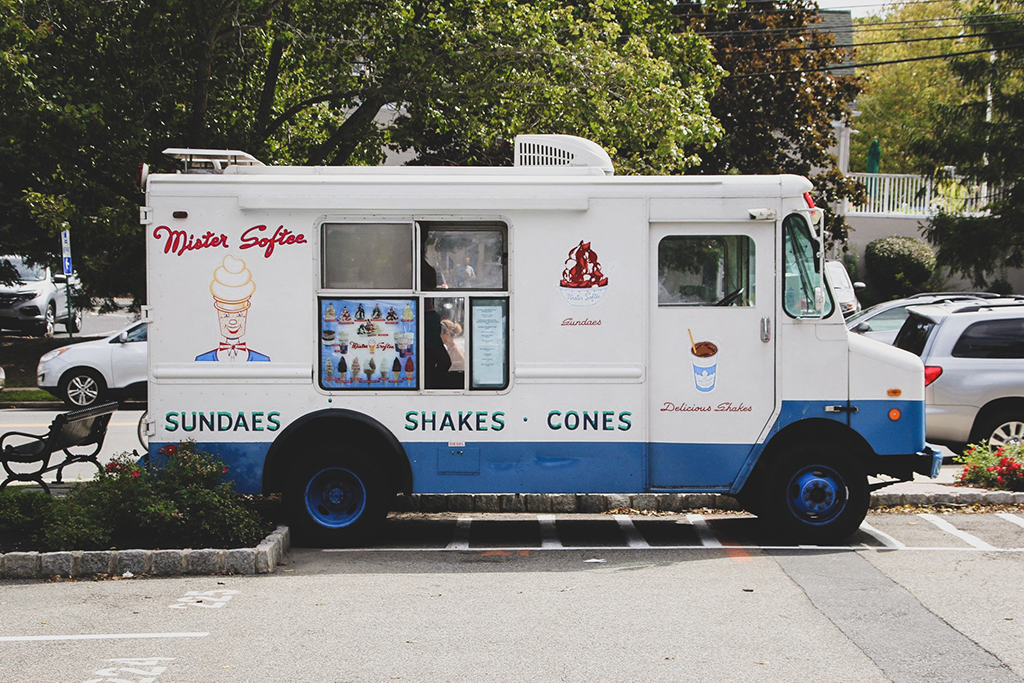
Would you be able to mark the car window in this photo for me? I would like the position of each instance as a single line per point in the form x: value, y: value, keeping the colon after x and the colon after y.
x: 914, y: 334
x: 886, y: 321
x: 134, y: 334
x: 992, y: 339
x: 838, y: 276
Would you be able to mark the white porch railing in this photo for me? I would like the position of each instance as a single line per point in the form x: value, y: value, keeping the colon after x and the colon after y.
x: 912, y: 196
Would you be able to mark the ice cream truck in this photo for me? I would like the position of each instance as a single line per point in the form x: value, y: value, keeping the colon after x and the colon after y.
x: 341, y: 335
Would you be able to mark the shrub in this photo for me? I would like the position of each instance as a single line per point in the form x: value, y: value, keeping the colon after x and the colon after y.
x: 183, y: 501
x: 1002, y: 468
x: 899, y: 266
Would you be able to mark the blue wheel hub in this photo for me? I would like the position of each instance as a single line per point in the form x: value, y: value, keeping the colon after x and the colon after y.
x: 816, y: 494
x: 335, y: 497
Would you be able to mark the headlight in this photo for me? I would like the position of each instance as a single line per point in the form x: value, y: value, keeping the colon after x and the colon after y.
x: 25, y: 296
x: 50, y: 355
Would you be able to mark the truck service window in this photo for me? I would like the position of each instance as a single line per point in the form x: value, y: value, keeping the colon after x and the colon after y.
x: 367, y: 256
x: 706, y: 271
x: 804, y: 291
x: 468, y: 257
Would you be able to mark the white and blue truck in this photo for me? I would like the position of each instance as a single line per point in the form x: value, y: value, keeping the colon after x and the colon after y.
x: 344, y: 334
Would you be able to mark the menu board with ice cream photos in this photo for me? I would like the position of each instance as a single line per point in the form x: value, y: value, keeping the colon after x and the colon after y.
x: 368, y: 344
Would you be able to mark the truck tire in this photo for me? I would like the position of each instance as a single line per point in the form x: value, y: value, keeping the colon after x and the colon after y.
x: 82, y: 387
x: 1004, y: 428
x: 816, y: 495
x: 336, y: 499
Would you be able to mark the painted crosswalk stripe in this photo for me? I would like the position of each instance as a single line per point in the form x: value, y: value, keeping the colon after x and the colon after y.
x: 633, y: 537
x: 548, y: 532
x: 885, y: 539
x: 704, y: 532
x: 460, y: 539
x: 967, y: 538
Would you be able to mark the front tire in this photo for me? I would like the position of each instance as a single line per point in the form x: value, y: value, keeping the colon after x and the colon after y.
x: 336, y: 499
x: 49, y: 324
x: 816, y: 496
x: 82, y: 388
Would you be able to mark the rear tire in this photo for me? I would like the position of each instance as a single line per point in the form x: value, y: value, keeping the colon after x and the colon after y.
x: 337, y: 499
x: 73, y: 324
x: 82, y: 388
x: 1005, y: 428
x: 816, y: 495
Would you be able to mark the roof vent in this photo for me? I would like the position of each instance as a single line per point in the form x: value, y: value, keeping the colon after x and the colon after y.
x: 211, y: 160
x: 567, y: 151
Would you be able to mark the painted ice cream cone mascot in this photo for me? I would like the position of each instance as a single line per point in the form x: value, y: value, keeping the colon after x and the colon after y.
x: 232, y: 288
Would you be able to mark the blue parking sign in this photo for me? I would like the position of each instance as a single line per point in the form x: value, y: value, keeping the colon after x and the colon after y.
x: 67, y: 265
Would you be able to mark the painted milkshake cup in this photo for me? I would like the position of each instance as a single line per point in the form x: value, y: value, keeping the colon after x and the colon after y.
x: 704, y: 356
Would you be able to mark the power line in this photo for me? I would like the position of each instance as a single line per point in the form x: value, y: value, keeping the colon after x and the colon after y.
x: 867, y: 64
x: 860, y: 45
x: 819, y: 28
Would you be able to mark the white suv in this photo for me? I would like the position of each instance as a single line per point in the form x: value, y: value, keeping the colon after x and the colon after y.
x: 37, y: 298
x: 973, y: 352
x: 92, y: 372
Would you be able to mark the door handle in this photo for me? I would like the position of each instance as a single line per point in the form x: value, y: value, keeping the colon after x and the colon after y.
x: 766, y: 330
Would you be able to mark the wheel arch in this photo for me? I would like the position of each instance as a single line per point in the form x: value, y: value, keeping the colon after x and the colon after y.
x: 75, y: 369
x: 992, y: 408
x: 838, y: 435
x: 322, y: 425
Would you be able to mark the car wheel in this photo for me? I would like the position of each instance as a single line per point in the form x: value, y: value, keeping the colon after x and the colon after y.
x: 816, y: 495
x: 74, y: 322
x: 336, y: 499
x: 47, y: 327
x: 1002, y: 429
x: 82, y: 388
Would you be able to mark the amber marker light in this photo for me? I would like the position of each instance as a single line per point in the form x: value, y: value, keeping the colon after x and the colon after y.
x: 893, y: 393
x: 895, y: 414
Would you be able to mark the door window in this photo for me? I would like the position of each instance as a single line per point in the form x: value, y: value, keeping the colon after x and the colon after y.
x: 706, y: 271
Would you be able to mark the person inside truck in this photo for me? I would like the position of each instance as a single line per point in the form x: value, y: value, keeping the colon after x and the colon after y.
x: 436, y: 360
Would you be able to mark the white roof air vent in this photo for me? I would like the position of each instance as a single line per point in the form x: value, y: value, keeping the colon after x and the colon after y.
x: 211, y: 159
x: 566, y: 151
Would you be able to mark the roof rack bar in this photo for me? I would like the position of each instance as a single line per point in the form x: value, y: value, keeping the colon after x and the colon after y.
x: 211, y: 159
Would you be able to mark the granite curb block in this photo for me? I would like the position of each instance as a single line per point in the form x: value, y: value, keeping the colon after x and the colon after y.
x: 595, y: 503
x: 91, y: 563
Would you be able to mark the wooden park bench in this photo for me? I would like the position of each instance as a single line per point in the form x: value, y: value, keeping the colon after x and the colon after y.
x: 35, y: 453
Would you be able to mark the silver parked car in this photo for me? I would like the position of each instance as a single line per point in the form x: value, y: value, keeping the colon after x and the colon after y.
x: 882, y: 321
x: 95, y: 371
x: 973, y: 352
x: 37, y: 299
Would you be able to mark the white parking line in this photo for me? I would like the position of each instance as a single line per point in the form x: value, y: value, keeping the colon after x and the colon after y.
x: 704, y: 531
x: 460, y: 539
x: 103, y: 636
x: 970, y: 539
x: 633, y: 536
x: 885, y: 539
x: 1011, y: 518
x: 548, y: 532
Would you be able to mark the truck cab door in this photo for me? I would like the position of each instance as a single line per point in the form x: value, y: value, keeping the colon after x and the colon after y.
x: 712, y: 363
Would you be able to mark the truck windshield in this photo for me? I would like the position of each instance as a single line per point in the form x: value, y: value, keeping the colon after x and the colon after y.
x: 804, y: 294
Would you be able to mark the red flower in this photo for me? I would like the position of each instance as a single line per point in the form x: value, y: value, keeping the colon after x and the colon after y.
x: 223, y: 470
x: 135, y: 473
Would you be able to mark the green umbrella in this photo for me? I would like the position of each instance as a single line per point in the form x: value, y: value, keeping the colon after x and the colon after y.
x: 874, y: 156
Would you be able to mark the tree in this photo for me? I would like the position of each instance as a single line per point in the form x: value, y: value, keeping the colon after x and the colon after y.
x: 982, y: 139
x: 898, y: 96
x: 102, y: 87
x: 779, y: 100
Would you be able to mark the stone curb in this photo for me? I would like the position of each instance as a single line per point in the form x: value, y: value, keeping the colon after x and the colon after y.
x: 664, y: 502
x: 93, y: 563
